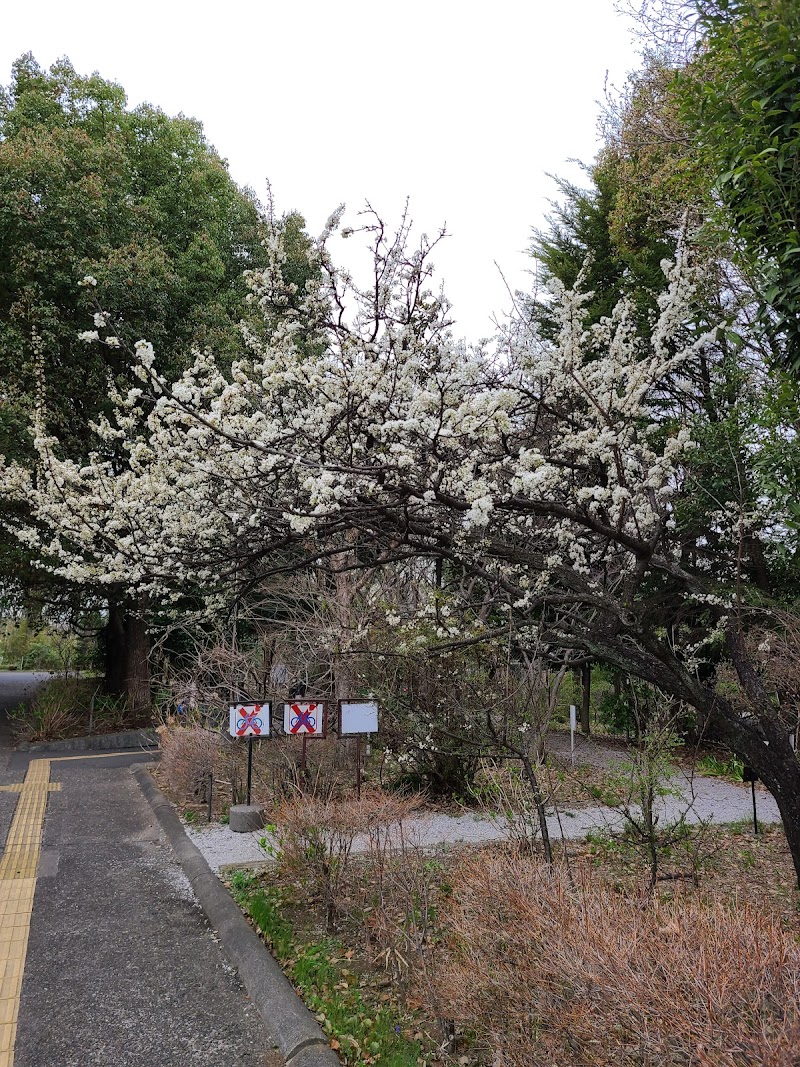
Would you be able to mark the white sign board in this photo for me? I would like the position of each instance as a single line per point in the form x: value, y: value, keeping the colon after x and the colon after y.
x: 249, y: 720
x: 304, y: 717
x: 355, y: 718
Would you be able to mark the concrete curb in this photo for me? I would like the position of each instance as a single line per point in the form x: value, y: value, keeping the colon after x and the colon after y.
x: 128, y: 740
x: 289, y: 1022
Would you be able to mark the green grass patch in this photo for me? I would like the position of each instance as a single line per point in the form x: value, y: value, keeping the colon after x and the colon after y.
x: 364, y: 1025
x: 715, y: 767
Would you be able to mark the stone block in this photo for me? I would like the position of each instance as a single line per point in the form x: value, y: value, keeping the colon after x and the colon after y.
x: 244, y: 818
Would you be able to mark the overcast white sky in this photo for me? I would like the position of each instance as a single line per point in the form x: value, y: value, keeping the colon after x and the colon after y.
x: 463, y: 108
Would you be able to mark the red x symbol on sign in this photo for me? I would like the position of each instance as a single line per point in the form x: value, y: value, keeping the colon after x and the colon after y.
x: 250, y: 720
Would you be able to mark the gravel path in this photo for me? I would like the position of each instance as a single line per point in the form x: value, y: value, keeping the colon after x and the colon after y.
x: 710, y: 799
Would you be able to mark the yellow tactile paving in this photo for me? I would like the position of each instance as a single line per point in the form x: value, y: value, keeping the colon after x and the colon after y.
x: 18, y: 787
x: 18, y: 868
x: 17, y: 887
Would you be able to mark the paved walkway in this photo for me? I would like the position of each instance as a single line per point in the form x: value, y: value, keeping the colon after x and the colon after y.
x: 107, y: 958
x: 703, y: 799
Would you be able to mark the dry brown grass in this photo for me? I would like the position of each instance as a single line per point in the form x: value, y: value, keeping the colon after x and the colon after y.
x: 188, y: 756
x: 534, y: 970
x: 545, y: 973
x: 191, y: 752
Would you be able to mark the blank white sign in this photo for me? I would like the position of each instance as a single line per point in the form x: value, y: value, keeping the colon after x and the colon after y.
x: 358, y: 718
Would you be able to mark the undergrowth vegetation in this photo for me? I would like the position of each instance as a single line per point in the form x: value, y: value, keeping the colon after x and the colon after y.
x: 409, y: 954
x: 71, y: 707
x: 545, y: 968
x: 365, y: 1023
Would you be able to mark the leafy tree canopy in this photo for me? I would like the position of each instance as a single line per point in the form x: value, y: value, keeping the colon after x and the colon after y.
x: 136, y: 199
x: 741, y: 94
x: 142, y: 203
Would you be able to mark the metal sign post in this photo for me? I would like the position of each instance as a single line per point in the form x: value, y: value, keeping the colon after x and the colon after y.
x: 249, y: 720
x: 755, y: 814
x: 749, y: 775
x: 358, y: 717
x: 304, y: 718
x: 573, y: 725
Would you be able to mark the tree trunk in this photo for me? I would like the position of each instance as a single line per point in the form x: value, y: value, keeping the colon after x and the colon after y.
x: 345, y: 584
x: 114, y: 650
x: 538, y: 800
x: 764, y: 746
x: 755, y: 734
x: 786, y: 790
x: 127, y: 664
x: 586, y: 697
x: 137, y: 665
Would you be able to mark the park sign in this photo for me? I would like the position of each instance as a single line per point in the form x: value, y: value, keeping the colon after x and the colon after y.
x: 357, y: 717
x: 304, y: 718
x: 249, y: 720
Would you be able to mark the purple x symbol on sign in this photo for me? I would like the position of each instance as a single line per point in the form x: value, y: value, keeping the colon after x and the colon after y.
x: 303, y: 722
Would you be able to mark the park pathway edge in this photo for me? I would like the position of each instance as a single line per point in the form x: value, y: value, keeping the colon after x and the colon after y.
x: 294, y: 1030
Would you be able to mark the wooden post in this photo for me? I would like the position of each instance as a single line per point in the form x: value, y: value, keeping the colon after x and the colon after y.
x: 358, y: 766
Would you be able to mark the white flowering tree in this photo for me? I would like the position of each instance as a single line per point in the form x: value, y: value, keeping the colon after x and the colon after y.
x: 360, y: 433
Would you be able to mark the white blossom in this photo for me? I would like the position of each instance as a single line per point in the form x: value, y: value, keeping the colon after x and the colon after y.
x: 385, y: 418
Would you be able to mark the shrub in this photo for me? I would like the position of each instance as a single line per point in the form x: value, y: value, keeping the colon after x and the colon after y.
x: 43, y: 649
x: 316, y: 836
x: 718, y: 766
x: 188, y: 755
x: 69, y: 707
x: 615, y: 713
x: 54, y: 712
x: 61, y: 708
x: 505, y: 798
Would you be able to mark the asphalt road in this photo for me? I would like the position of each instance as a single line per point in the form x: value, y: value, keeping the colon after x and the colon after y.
x: 122, y: 966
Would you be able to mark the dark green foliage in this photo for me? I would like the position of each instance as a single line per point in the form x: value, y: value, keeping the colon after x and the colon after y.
x: 742, y: 96
x: 141, y: 202
x: 136, y: 199
x: 580, y: 238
